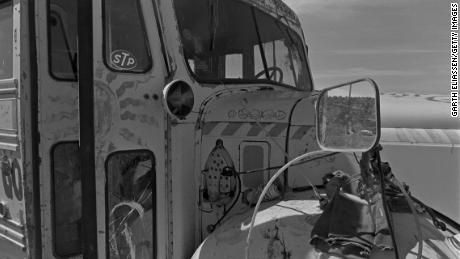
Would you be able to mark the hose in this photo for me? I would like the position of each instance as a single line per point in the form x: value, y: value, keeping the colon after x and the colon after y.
x: 267, y: 186
x: 414, y: 213
x: 387, y: 213
x: 212, y: 227
x: 385, y: 206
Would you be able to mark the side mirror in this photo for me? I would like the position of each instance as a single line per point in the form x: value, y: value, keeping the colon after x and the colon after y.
x: 178, y: 99
x: 348, y: 117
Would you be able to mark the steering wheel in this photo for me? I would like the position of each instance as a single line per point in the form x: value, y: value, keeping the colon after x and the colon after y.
x: 272, y: 71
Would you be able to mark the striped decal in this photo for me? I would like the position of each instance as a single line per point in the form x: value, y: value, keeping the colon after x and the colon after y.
x: 389, y: 135
x: 248, y: 129
x: 231, y: 129
x: 278, y: 129
x: 209, y: 127
x: 12, y: 232
x: 256, y: 129
x: 301, y: 131
x: 421, y: 136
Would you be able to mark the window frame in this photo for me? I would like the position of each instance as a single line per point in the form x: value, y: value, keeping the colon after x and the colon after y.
x: 154, y: 200
x: 13, y: 44
x: 49, y: 49
x: 53, y: 201
x: 251, y: 81
x: 105, y: 40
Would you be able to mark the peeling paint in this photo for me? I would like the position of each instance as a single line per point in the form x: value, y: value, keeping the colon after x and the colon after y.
x: 110, y: 77
x: 124, y: 86
x: 131, y: 101
x: 105, y: 103
x: 128, y: 135
x: 127, y: 115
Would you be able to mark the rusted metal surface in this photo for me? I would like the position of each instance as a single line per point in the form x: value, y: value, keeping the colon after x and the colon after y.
x: 57, y: 122
x: 284, y: 119
x: 282, y: 230
x: 153, y: 164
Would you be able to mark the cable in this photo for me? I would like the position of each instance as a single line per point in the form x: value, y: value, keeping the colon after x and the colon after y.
x: 436, y: 215
x: 414, y: 213
x: 385, y: 205
x: 409, y: 201
x: 267, y: 186
x: 278, y: 167
x: 356, y: 157
x: 212, y: 227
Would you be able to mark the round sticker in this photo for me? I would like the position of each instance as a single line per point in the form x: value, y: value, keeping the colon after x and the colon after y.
x: 123, y: 60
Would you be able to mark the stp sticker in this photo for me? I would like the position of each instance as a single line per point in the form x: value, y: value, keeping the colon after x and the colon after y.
x: 123, y: 60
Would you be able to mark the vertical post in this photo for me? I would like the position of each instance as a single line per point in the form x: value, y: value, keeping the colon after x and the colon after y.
x: 86, y: 104
x: 36, y: 250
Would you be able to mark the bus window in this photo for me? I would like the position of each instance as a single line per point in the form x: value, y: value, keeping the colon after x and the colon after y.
x: 130, y: 204
x: 62, y: 40
x: 125, y: 39
x: 268, y: 49
x: 6, y: 40
x: 234, y: 66
x: 66, y: 198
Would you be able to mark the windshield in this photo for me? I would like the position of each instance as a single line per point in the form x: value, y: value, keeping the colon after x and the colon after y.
x: 232, y: 41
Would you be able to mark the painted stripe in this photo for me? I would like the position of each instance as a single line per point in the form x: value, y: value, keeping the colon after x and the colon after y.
x: 409, y: 137
x: 397, y: 135
x: 438, y: 136
x: 427, y: 136
x: 422, y: 136
x: 256, y: 128
x: 277, y: 129
x: 453, y: 135
x: 231, y: 128
x: 209, y: 127
x: 400, y: 136
x: 389, y: 135
x: 301, y: 132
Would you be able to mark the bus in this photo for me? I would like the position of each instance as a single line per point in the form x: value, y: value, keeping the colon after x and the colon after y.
x: 138, y: 129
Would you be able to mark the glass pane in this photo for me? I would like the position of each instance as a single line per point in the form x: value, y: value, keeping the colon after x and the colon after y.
x: 210, y: 34
x: 130, y: 204
x: 283, y: 51
x: 126, y: 41
x: 253, y: 159
x: 63, y: 39
x: 67, y: 198
x: 234, y: 66
x: 6, y: 40
x: 348, y: 117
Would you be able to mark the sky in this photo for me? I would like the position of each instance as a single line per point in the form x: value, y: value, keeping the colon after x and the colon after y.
x: 404, y: 45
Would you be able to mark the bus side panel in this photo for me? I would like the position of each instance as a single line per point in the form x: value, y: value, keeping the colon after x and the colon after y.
x: 12, y: 201
x: 12, y: 236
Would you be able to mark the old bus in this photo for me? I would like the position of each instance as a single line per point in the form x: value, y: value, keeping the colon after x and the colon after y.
x: 138, y: 129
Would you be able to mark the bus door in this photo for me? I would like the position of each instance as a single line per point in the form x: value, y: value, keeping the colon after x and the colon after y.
x: 57, y: 116
x: 128, y: 74
x: 129, y: 146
